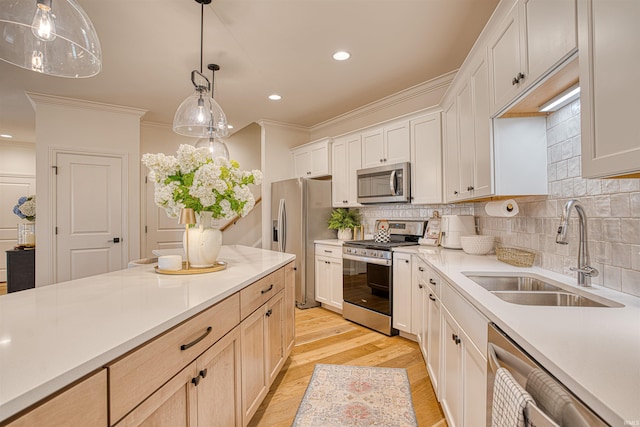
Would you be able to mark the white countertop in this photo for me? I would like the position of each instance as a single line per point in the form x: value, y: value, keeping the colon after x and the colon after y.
x: 594, y: 351
x: 333, y: 242
x: 53, y: 335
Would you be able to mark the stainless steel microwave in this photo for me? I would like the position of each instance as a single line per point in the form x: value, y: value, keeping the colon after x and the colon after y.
x: 385, y: 184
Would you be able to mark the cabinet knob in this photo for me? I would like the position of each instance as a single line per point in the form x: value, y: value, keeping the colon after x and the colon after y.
x: 433, y: 282
x: 455, y: 192
x: 420, y: 268
x: 517, y: 79
x: 269, y: 313
x: 203, y: 373
x: 407, y: 261
x: 345, y: 201
x: 431, y: 297
x: 380, y: 160
x: 384, y: 159
x: 195, y: 381
x: 420, y: 285
x: 455, y: 338
x: 470, y: 188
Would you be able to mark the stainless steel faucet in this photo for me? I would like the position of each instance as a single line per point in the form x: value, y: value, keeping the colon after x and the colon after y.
x: 585, y: 271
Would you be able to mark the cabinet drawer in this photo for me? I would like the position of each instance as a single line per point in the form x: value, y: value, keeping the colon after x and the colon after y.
x: 428, y: 277
x: 83, y: 404
x: 260, y: 292
x: 138, y: 374
x: 329, y: 251
x: 467, y: 316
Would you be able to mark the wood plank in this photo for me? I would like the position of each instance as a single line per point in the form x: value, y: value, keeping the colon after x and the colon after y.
x: 323, y: 336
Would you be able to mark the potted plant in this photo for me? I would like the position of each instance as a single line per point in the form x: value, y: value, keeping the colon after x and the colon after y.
x: 344, y: 220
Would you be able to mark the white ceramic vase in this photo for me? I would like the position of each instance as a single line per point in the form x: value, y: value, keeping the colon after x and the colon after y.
x: 345, y: 234
x: 204, y: 242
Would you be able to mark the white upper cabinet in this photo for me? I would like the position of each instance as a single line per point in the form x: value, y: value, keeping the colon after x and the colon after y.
x: 451, y: 151
x: 426, y: 159
x: 507, y: 59
x: 313, y: 159
x: 346, y: 160
x: 551, y: 32
x: 529, y: 42
x: 386, y: 145
x: 608, y: 37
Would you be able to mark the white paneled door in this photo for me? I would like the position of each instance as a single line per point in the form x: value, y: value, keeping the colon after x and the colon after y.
x: 89, y: 215
x: 161, y: 232
x: 11, y: 189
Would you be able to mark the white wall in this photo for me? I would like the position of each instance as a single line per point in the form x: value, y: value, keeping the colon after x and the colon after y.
x: 277, y: 163
x: 89, y: 127
x: 17, y: 158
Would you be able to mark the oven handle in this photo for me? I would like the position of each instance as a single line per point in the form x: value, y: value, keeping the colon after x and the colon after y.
x: 378, y: 261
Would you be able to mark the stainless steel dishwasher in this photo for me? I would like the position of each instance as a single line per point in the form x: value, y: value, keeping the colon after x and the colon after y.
x: 555, y: 404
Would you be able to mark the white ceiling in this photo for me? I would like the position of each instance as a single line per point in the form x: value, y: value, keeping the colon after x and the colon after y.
x: 262, y: 46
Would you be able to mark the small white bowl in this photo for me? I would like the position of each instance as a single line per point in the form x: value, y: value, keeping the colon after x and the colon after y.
x: 477, y: 245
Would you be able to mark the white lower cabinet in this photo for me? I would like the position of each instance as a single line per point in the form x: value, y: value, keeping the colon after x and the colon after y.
x: 433, y: 337
x: 328, y: 276
x: 402, y: 290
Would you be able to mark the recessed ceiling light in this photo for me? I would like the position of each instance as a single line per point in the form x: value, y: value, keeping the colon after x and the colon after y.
x: 229, y: 126
x: 341, y: 56
x: 6, y: 135
x: 275, y: 97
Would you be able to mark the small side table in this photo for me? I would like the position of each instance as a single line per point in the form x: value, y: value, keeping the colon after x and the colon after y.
x: 21, y: 269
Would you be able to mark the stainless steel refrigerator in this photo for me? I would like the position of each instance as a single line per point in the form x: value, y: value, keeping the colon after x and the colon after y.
x: 300, y: 209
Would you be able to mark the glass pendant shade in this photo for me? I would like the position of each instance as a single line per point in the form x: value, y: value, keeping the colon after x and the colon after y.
x: 54, y: 37
x: 216, y: 146
x: 200, y: 116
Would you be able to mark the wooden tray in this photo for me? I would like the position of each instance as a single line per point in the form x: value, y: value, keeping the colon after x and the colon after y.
x: 218, y: 265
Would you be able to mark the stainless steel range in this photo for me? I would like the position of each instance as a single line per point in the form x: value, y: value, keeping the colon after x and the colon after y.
x: 367, y: 275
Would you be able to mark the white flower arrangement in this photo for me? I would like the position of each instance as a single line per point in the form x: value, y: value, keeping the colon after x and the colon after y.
x: 26, y: 208
x: 194, y: 180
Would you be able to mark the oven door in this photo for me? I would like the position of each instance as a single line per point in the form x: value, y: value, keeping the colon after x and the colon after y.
x: 367, y: 283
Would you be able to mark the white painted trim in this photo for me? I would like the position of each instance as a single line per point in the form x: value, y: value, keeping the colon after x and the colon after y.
x: 79, y: 103
x: 418, y: 90
x: 273, y: 123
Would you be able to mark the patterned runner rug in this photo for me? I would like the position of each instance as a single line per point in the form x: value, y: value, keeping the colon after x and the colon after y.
x: 340, y: 395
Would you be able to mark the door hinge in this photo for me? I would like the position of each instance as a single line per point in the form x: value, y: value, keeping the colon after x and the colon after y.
x: 55, y: 168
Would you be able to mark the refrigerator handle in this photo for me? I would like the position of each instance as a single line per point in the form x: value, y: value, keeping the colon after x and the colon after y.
x: 282, y: 224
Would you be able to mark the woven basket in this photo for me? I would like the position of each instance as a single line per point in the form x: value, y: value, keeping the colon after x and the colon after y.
x: 517, y: 257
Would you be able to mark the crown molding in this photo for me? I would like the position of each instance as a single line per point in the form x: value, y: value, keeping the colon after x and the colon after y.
x: 273, y: 123
x: 421, y: 89
x: 40, y: 98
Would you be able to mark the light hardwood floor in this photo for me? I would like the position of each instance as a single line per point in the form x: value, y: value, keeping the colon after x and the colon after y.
x: 325, y: 337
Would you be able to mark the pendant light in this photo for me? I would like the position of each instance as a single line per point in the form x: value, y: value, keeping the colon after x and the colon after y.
x: 54, y: 37
x: 213, y: 141
x: 199, y: 115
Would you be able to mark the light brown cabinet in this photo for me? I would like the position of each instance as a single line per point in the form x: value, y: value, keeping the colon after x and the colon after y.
x: 82, y: 404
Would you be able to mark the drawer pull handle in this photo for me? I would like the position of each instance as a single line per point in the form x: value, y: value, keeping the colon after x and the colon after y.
x: 433, y: 282
x: 455, y: 338
x: 431, y: 297
x: 195, y: 381
x: 264, y: 291
x: 197, y: 340
x: 420, y: 268
x: 420, y: 285
x: 328, y: 252
x: 203, y: 373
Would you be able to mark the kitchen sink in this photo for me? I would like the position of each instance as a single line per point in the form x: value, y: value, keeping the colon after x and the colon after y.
x: 530, y: 289
x: 554, y: 299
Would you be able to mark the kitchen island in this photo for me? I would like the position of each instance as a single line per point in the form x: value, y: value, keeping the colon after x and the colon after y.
x: 52, y: 336
x: 593, y: 351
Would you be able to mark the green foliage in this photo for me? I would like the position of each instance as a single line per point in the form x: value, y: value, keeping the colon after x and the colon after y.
x: 344, y: 218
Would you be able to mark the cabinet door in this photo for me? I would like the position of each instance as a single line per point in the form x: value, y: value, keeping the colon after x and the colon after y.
x: 335, y: 298
x: 474, y: 383
x: 323, y: 279
x: 434, y: 335
x: 354, y: 155
x: 479, y: 81
x: 451, y: 372
x: 417, y: 290
x: 402, y: 292
x: 218, y: 390
x: 507, y: 60
x: 608, y: 105
x: 340, y: 174
x: 319, y: 161
x: 551, y: 34
x: 426, y: 158
x: 254, y: 376
x: 302, y: 162
x: 451, y: 147
x: 172, y: 405
x: 372, y: 148
x: 289, y: 307
x: 466, y: 140
x: 84, y: 404
x: 396, y: 143
x: 275, y: 336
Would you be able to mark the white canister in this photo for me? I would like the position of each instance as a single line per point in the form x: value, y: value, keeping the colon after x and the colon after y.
x: 170, y: 262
